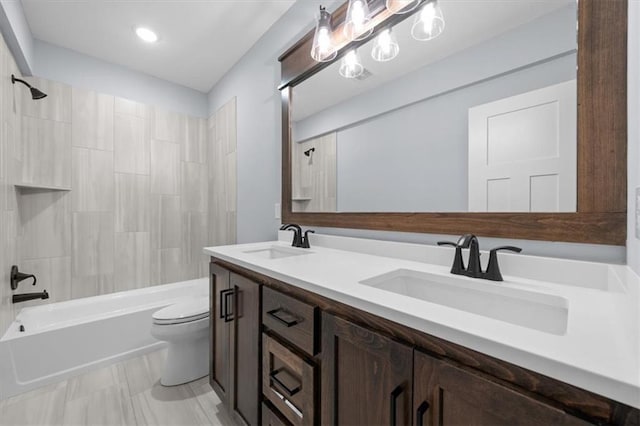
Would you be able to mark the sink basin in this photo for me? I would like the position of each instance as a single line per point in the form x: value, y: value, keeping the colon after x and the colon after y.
x: 531, y: 309
x: 276, y: 252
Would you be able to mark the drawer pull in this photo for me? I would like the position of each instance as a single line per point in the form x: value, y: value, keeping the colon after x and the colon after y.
x: 394, y: 404
x: 422, y: 409
x: 286, y: 318
x: 280, y: 382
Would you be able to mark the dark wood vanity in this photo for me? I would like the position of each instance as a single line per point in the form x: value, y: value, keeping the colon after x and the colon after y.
x: 281, y: 355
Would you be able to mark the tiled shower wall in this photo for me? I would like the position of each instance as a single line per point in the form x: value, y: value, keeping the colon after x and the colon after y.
x: 138, y: 191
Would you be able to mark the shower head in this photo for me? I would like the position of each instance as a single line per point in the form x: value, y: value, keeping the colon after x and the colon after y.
x: 35, y: 93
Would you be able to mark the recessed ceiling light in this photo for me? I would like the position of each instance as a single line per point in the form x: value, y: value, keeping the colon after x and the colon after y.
x: 146, y: 34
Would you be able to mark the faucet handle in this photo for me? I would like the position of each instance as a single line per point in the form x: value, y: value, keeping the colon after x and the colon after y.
x: 493, y: 269
x: 305, y: 238
x: 458, y: 264
x: 447, y: 243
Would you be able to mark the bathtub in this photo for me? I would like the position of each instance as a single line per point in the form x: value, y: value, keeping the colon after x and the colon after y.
x: 67, y: 338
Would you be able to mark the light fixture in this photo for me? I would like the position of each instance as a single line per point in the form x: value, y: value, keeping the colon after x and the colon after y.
x: 405, y: 6
x: 385, y: 47
x: 35, y: 93
x: 429, y: 22
x: 146, y: 34
x: 322, y: 48
x: 358, y: 17
x: 351, y: 67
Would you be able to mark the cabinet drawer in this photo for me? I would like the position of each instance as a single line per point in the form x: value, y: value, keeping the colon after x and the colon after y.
x: 270, y: 417
x: 293, y: 320
x: 288, y: 382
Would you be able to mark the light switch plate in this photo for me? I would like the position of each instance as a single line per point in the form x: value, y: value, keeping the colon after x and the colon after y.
x: 638, y: 213
x: 277, y: 210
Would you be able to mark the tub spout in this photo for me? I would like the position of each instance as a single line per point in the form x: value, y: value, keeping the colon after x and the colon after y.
x: 17, y: 298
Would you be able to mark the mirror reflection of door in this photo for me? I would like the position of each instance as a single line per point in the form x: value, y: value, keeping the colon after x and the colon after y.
x: 522, y: 152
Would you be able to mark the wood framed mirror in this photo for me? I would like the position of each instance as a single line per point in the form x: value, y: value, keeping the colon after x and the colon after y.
x: 601, y: 159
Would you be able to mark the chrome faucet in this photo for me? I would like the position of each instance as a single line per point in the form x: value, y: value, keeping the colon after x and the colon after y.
x: 474, y: 267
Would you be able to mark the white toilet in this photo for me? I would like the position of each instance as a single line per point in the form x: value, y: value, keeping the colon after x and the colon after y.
x: 185, y: 326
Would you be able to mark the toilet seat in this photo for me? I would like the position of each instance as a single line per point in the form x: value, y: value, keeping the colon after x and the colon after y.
x: 183, y: 312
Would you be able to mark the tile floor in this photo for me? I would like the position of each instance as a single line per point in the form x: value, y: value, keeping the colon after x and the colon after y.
x: 127, y: 393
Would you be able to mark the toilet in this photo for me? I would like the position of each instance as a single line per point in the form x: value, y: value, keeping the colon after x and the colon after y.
x: 185, y: 326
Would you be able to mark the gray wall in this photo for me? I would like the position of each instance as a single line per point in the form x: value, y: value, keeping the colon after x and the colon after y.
x: 79, y: 70
x: 17, y: 34
x: 633, y: 243
x: 414, y: 158
x: 254, y: 80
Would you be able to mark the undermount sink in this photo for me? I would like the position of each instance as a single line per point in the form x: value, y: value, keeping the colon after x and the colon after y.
x: 538, y: 311
x: 276, y: 252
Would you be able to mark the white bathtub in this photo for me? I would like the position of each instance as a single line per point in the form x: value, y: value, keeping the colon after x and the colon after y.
x: 67, y: 338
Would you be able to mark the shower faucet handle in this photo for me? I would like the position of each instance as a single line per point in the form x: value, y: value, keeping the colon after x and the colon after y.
x: 17, y: 276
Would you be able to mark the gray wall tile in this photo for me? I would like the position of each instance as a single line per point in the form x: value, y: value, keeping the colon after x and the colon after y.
x: 194, y: 187
x: 131, y: 144
x: 93, y: 244
x: 45, y: 224
x: 132, y: 202
x: 93, y: 180
x: 167, y: 125
x: 46, y: 152
x: 195, y: 140
x: 132, y: 260
x: 129, y: 107
x: 165, y: 167
x: 56, y: 106
x: 92, y: 120
x: 166, y: 222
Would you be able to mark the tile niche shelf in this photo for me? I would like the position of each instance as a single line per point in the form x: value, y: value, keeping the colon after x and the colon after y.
x: 31, y: 186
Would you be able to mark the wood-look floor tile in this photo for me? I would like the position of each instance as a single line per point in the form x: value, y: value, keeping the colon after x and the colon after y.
x: 210, y: 403
x: 109, y: 406
x: 44, y: 406
x: 94, y: 381
x: 144, y: 372
x: 176, y: 405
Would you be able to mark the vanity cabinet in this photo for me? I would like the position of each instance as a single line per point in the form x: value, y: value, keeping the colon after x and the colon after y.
x: 445, y: 395
x: 297, y: 358
x: 235, y: 343
x: 366, y: 377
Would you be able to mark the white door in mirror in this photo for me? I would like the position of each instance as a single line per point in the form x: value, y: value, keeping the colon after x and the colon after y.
x: 522, y: 152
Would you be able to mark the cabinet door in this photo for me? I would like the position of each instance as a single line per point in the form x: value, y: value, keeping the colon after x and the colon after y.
x: 445, y: 395
x: 219, y: 332
x: 366, y: 377
x: 245, y: 349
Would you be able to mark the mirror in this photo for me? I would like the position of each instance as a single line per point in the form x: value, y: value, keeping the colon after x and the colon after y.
x: 480, y: 119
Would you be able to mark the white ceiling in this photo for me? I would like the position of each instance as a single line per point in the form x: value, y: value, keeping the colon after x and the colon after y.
x: 200, y: 40
x: 468, y: 22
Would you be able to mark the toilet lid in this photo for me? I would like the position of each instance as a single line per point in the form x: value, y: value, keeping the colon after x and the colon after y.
x: 190, y: 310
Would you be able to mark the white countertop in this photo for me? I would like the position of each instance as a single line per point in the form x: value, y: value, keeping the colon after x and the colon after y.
x: 600, y: 351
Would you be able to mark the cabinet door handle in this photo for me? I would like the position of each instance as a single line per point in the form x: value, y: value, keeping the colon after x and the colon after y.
x: 422, y: 409
x: 228, y: 316
x: 394, y: 404
x: 223, y: 304
x: 274, y: 376
x: 287, y: 323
